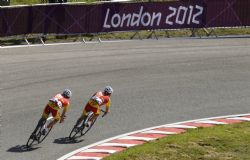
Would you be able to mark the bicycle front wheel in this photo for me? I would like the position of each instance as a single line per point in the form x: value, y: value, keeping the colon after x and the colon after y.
x: 30, y: 142
x: 74, y: 132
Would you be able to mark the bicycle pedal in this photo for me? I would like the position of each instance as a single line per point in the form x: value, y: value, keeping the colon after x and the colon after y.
x: 33, y: 137
x: 77, y: 129
x: 43, y: 131
x: 88, y: 124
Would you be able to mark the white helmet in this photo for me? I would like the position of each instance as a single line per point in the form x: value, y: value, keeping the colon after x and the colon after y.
x: 108, y: 90
x: 67, y: 93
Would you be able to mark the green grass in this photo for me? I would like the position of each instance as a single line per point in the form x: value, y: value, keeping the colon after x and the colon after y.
x: 17, y: 40
x: 28, y: 2
x: 23, y: 2
x: 225, y: 142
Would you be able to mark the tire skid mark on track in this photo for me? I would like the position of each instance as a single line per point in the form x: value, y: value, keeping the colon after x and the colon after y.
x: 105, y: 148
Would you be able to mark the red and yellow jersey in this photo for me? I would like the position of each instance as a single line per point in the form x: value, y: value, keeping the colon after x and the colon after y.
x: 58, y: 102
x: 98, y: 99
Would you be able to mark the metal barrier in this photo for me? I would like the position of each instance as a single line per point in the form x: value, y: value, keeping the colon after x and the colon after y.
x: 80, y: 18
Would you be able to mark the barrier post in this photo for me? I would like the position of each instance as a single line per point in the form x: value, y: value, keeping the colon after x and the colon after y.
x: 83, y: 40
x: 99, y: 40
x: 95, y: 35
x: 136, y: 33
x: 167, y: 33
x: 212, y: 32
x: 41, y: 39
x: 193, y: 32
x: 26, y: 40
x: 151, y: 35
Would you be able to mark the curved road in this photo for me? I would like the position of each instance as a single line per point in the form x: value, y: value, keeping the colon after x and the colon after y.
x: 155, y: 82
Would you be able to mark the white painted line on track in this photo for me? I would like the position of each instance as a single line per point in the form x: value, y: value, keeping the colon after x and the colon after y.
x: 210, y: 122
x: 84, y: 158
x: 240, y: 118
x: 118, y: 145
x: 177, y: 125
x: 138, y: 138
x: 100, y: 150
x: 68, y: 43
x: 158, y: 132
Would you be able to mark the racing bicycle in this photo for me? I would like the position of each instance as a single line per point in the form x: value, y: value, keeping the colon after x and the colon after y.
x: 39, y: 136
x: 82, y: 129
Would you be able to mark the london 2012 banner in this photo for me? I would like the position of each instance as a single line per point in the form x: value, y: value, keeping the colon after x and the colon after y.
x: 111, y: 17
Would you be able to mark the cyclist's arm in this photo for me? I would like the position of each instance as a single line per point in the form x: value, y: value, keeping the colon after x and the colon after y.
x: 108, y: 106
x: 65, y: 109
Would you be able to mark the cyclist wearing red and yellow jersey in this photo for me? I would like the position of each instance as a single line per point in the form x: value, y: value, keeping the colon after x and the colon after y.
x: 55, y: 104
x: 99, y: 99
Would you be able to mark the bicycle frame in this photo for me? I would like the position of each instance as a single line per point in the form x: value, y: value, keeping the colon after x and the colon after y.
x: 39, y: 137
x: 76, y: 130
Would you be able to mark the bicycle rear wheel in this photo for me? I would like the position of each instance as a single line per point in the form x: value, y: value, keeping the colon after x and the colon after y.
x: 30, y: 142
x: 74, y: 132
x: 83, y: 132
x: 33, y: 137
x: 40, y: 136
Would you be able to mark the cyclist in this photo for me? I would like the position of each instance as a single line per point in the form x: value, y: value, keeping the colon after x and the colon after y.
x: 98, y: 99
x: 55, y: 104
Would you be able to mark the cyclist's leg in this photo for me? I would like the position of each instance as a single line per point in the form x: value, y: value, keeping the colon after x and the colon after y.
x: 83, y: 116
x: 45, y: 115
x: 96, y: 112
x: 91, y: 119
x: 40, y: 123
x: 56, y: 115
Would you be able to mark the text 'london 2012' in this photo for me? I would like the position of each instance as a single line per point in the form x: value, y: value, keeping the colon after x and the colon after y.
x: 181, y: 15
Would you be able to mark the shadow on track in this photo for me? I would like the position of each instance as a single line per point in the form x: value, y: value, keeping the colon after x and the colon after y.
x: 67, y: 140
x: 22, y: 148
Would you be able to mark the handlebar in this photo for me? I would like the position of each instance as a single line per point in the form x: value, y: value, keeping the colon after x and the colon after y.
x: 104, y: 113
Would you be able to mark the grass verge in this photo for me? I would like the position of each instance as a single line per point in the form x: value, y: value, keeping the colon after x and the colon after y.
x: 33, y: 39
x: 223, y: 142
x: 29, y: 2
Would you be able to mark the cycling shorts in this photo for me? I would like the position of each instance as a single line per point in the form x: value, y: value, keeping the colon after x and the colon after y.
x: 88, y: 108
x: 55, y: 113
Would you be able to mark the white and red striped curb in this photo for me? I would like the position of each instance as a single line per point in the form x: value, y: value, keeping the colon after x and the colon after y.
x: 119, y: 143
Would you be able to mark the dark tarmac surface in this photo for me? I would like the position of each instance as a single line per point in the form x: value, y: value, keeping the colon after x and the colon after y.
x: 155, y: 82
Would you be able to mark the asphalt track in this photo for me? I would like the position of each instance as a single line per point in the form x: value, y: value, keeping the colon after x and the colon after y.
x: 155, y: 82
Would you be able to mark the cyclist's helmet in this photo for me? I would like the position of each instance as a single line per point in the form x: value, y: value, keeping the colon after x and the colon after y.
x: 67, y: 93
x: 108, y: 90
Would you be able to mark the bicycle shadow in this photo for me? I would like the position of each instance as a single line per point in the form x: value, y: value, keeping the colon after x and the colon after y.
x: 22, y: 148
x: 67, y: 140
